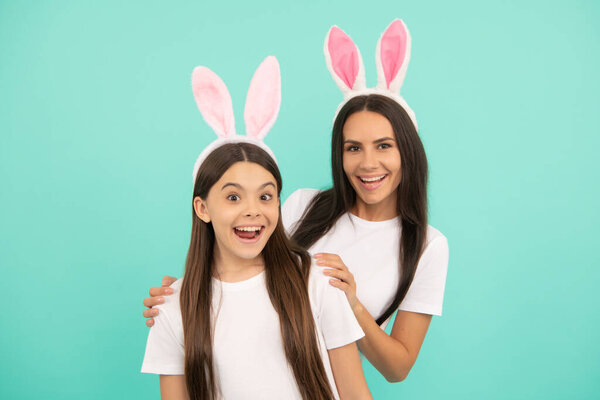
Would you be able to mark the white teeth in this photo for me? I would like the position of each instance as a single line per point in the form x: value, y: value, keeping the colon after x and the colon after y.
x: 249, y: 228
x: 377, y: 178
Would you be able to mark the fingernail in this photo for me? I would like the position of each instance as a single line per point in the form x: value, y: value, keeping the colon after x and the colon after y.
x: 169, y: 291
x: 160, y: 299
x: 326, y: 272
x: 318, y: 255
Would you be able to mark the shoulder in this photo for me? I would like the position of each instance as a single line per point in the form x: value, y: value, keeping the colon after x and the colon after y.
x: 435, y: 238
x: 171, y: 304
x: 295, y: 205
x: 320, y: 290
x: 301, y: 196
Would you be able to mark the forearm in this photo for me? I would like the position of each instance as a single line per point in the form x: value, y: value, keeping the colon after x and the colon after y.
x: 391, y: 358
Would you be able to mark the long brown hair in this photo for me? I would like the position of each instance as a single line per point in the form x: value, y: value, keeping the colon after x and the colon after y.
x: 327, y: 206
x: 286, y: 276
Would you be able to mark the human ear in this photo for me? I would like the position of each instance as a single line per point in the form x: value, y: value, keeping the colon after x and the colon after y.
x: 201, y: 210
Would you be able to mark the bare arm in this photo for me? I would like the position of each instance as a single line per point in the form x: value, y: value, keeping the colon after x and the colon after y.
x: 393, y: 355
x: 172, y: 387
x: 156, y: 298
x: 348, y: 374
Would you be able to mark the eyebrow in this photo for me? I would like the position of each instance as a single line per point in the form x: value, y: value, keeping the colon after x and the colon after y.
x: 237, y: 186
x: 383, y: 139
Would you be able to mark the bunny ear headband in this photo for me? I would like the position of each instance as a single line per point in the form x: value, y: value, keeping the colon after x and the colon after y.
x: 392, y: 56
x: 262, y: 106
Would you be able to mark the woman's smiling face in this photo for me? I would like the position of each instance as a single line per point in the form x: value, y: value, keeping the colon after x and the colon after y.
x: 371, y: 159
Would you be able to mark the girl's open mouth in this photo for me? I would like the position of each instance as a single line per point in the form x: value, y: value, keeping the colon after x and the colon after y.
x: 248, y: 234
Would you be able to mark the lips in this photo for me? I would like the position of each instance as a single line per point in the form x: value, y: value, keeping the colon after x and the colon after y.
x: 371, y: 182
x: 248, y: 233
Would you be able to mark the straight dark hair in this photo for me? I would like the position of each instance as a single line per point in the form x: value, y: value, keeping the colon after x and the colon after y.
x: 329, y: 205
x: 286, y: 274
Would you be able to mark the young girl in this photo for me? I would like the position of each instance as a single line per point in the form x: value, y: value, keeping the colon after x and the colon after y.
x: 249, y: 319
x: 370, y: 230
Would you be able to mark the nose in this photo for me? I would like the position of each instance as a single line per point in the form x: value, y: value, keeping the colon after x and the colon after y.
x: 369, y: 159
x: 252, y: 208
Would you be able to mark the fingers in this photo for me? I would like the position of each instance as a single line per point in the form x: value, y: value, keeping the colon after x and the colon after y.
x: 332, y: 261
x: 328, y: 257
x: 340, y: 285
x: 150, y: 313
x: 153, y: 301
x: 160, y: 291
x: 168, y: 280
x: 344, y: 276
x: 149, y: 323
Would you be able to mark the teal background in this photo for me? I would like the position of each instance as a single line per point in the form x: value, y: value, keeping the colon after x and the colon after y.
x: 99, y: 132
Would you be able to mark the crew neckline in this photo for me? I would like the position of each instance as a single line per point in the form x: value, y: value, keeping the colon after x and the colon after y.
x: 375, y: 224
x: 241, y: 285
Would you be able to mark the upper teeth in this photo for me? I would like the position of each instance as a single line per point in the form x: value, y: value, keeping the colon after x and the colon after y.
x: 249, y: 228
x: 372, y: 179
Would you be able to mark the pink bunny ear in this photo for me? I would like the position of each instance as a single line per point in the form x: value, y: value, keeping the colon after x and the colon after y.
x: 392, y: 56
x: 344, y: 61
x: 214, y: 101
x: 263, y: 99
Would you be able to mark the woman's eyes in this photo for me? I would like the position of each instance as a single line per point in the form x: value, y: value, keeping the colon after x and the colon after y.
x: 381, y: 146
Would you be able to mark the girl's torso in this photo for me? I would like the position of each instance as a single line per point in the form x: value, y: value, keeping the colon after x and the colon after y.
x: 248, y: 352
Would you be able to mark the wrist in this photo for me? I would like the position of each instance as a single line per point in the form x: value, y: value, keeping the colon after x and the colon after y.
x: 356, y: 306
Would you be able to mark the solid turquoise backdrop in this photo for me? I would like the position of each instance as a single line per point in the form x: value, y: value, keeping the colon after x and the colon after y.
x: 99, y: 132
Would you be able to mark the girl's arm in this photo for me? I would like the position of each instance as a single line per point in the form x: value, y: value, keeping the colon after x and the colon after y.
x: 172, y: 387
x: 347, y: 372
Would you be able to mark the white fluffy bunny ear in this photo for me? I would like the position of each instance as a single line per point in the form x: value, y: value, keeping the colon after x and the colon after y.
x: 214, y: 101
x: 344, y: 61
x: 392, y: 56
x: 263, y: 99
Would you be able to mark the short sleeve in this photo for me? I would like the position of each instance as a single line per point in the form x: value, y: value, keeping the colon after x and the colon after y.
x: 293, y: 208
x: 426, y: 293
x: 165, y: 354
x: 335, y: 318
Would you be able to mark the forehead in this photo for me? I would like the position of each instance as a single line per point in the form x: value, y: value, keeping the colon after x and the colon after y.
x: 246, y: 174
x: 366, y: 126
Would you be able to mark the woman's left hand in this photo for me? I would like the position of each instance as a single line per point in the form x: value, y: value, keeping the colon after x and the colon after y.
x: 335, y: 268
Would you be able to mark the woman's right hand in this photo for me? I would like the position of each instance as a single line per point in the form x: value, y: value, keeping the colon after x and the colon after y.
x: 156, y: 298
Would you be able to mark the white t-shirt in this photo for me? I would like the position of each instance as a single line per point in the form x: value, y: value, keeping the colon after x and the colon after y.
x: 248, y: 351
x: 370, y: 251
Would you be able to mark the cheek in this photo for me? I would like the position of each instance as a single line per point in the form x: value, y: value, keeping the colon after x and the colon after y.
x: 394, y: 163
x: 271, y: 213
x: 348, y: 164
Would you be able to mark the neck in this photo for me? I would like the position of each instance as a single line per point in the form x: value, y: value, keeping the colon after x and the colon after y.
x: 230, y: 268
x: 382, y: 211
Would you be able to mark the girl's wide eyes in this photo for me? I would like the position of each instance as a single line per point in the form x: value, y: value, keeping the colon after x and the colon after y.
x: 264, y: 197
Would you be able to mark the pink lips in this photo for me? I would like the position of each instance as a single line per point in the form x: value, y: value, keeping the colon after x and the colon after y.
x: 372, y: 185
